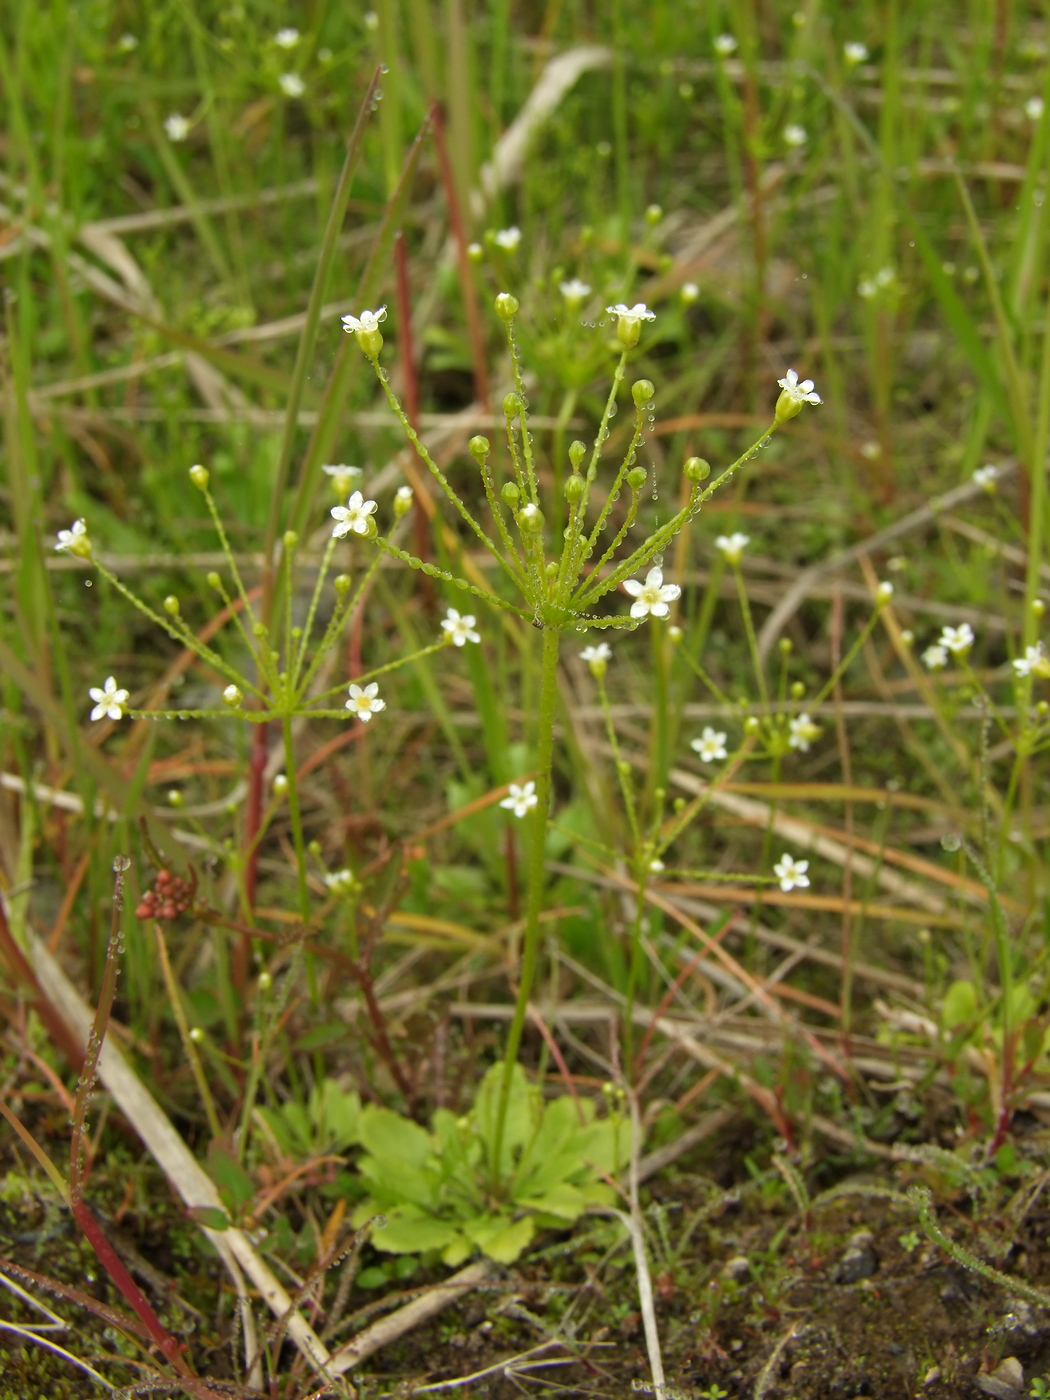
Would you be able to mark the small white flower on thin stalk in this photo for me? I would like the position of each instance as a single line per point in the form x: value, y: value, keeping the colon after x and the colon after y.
x: 802, y: 732
x: 1035, y: 662
x: 364, y: 702
x: 286, y: 38
x: 689, y: 292
x: 459, y: 630
x: 75, y: 540
x: 724, y: 45
x: 176, y: 127
x: 791, y: 873
x: 733, y: 546
x: 574, y: 291
x: 109, y: 701
x: 653, y: 595
x: 597, y: 658
x: 957, y: 640
x: 986, y: 477
x: 884, y: 592
x: 521, y: 798
x: 935, y: 658
x: 855, y: 53
x: 1033, y: 108
x: 629, y: 321
x: 711, y: 745
x: 403, y: 498
x: 341, y: 882
x: 794, y: 135
x: 343, y: 477
x: 508, y: 238
x: 793, y: 395
x: 291, y: 84
x: 367, y: 321
x: 354, y: 516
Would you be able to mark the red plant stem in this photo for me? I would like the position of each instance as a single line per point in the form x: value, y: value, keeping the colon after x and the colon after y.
x: 466, y: 277
x: 410, y: 381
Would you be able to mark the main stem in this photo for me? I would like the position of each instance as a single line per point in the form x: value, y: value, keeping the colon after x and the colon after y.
x: 536, y: 878
x: 296, y: 816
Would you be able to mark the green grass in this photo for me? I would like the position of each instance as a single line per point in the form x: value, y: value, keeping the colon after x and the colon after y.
x: 895, y: 253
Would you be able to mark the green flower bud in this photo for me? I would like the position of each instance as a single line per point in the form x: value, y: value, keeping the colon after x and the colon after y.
x: 510, y: 493
x: 291, y: 539
x: 199, y: 477
x: 786, y: 646
x: 233, y: 697
x: 507, y: 307
x: 530, y: 519
x: 674, y: 634
x: 214, y: 581
x: 265, y: 982
x: 636, y: 478
x: 280, y: 785
x: 511, y: 405
x: 574, y: 487
x: 402, y: 501
x: 752, y: 724
x: 171, y: 605
x: 475, y: 252
x: 642, y: 390
x: 479, y: 447
x: 653, y: 214
x: 797, y: 690
x: 577, y: 452
x: 174, y: 797
x: 1038, y: 607
x: 342, y: 583
x: 696, y: 469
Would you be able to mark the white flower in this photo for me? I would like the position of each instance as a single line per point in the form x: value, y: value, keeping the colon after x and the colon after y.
x: 884, y: 592
x: 958, y: 640
x: 794, y: 135
x: 367, y: 321
x: 127, y: 43
x: 365, y: 703
x: 725, y: 44
x: 109, y: 700
x: 656, y: 866
x: 75, y: 540
x: 802, y: 732
x: 791, y: 873
x: 710, y: 746
x: 935, y: 658
x: 1033, y: 108
x: 733, y: 546
x: 343, y: 477
x: 575, y: 290
x: 1035, y: 662
x: 286, y: 38
x: 508, y: 238
x: 404, y: 494
x: 341, y: 881
x: 459, y: 630
x: 291, y: 84
x: 855, y: 52
x: 353, y: 516
x: 634, y: 314
x: 176, y: 127
x: 689, y: 292
x: 796, y: 392
x: 521, y: 798
x: 866, y: 288
x: 653, y: 595
x: 597, y: 658
x: 986, y: 477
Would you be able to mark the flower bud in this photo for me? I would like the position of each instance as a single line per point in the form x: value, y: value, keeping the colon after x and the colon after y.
x: 883, y: 593
x: 291, y: 539
x: 907, y: 636
x: 511, y: 405
x: 653, y: 214
x: 574, y: 487
x: 214, y: 581
x: 280, y: 785
x: 475, y: 252
x: 510, y: 493
x: 196, y: 1034
x: 642, y: 390
x: 1042, y: 709
x: 402, y: 501
x: 199, y: 477
x: 752, y: 724
x: 479, y: 447
x: 171, y: 605
x: 797, y: 690
x: 507, y: 307
x: 530, y: 519
x: 342, y: 583
x: 786, y: 646
x: 675, y: 633
x: 265, y: 982
x: 232, y: 696
x: 577, y: 452
x: 174, y: 797
x: 636, y: 478
x: 1038, y: 607
x: 696, y: 469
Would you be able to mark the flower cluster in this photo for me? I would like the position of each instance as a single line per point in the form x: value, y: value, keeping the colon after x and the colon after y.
x: 170, y: 896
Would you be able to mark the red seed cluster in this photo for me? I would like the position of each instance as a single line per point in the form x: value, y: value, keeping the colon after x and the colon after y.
x: 170, y: 896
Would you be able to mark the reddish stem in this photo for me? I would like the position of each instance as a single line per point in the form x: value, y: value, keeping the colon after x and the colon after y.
x: 256, y: 774
x: 410, y: 381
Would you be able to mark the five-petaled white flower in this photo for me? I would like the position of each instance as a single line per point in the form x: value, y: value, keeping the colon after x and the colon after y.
x: 791, y: 873
x: 508, y: 238
x: 733, y: 546
x: 725, y: 44
x: 710, y: 746
x: 176, y: 127
x: 521, y: 798
x: 855, y: 52
x: 341, y: 881
x: 957, y: 640
x: 291, y: 84
x: 653, y: 595
x: 794, y: 135
x: 802, y: 732
x: 365, y: 702
x: 459, y: 630
x: 574, y: 290
x: 1035, y: 662
x: 109, y: 701
x: 75, y: 540
x: 935, y: 658
x: 353, y: 516
x: 986, y: 477
x: 286, y: 38
x: 367, y: 321
x: 796, y: 392
x: 635, y: 314
x: 597, y: 658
